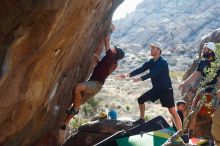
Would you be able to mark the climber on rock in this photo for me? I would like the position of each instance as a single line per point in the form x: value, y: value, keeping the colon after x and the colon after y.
x: 85, y: 90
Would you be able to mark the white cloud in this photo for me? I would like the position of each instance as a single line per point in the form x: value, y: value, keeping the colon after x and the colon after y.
x: 125, y: 8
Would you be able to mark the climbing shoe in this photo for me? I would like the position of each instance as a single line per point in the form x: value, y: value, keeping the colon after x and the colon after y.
x: 72, y: 111
x: 138, y: 122
x: 63, y: 127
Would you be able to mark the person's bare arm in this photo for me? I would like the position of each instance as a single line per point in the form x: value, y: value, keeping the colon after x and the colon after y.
x: 95, y: 59
x: 108, y: 36
x: 122, y: 76
x: 107, y: 41
x: 195, y: 75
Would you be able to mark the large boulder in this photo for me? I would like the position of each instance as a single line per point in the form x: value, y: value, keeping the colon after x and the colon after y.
x: 94, y: 132
x: 46, y: 47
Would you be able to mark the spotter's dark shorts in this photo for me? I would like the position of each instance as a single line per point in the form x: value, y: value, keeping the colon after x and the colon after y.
x: 166, y: 97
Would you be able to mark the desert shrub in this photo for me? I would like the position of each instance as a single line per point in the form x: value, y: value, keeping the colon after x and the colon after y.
x: 147, y: 118
x: 176, y: 74
x: 128, y: 107
x: 89, y: 109
x: 76, y: 122
x: 211, y: 72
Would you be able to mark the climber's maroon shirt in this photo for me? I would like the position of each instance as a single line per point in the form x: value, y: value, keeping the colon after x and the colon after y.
x: 102, y: 70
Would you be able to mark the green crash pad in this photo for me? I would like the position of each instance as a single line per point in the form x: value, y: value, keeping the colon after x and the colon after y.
x: 155, y: 138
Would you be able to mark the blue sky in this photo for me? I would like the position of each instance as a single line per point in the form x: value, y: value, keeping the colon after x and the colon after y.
x: 126, y: 7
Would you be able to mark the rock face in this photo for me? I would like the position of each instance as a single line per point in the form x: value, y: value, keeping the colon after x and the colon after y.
x: 176, y: 24
x: 94, y: 132
x: 212, y: 37
x: 46, y: 47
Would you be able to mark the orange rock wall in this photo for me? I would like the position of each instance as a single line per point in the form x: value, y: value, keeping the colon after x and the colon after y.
x: 46, y: 47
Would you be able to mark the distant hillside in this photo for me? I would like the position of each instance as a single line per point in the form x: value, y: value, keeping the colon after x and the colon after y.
x: 177, y: 24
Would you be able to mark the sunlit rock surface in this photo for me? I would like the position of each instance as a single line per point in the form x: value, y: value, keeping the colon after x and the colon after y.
x: 176, y: 24
x: 46, y: 47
